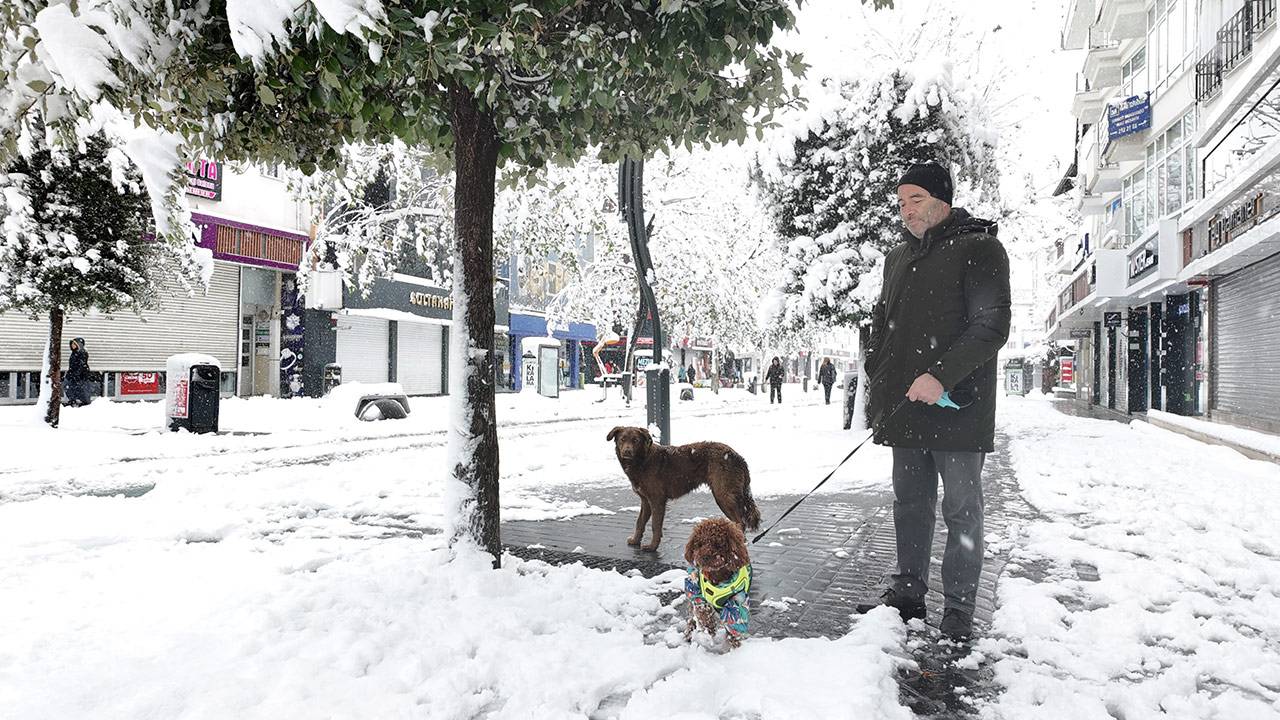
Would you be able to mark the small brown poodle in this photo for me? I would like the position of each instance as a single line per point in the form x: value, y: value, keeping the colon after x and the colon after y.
x: 718, y: 580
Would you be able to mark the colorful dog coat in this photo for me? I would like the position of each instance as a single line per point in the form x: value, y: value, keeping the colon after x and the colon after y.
x: 728, y: 599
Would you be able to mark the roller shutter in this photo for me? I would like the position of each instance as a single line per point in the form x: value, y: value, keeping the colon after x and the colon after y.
x: 363, y: 349
x: 1247, y: 343
x: 419, y: 357
x: 207, y: 323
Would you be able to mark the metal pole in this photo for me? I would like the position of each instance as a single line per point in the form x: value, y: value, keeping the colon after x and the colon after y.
x: 631, y: 205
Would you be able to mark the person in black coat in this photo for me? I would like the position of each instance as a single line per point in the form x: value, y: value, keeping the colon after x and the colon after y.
x: 774, y: 376
x: 942, y: 316
x: 827, y: 376
x: 78, y: 374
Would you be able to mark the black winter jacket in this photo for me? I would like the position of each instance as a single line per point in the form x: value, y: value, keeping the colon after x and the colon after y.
x: 775, y: 375
x: 827, y: 374
x: 944, y: 310
x: 78, y: 364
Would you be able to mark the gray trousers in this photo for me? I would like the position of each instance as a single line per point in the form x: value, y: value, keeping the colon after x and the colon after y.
x: 915, y: 491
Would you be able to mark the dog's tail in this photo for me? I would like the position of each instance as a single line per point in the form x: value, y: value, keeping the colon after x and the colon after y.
x: 747, y: 509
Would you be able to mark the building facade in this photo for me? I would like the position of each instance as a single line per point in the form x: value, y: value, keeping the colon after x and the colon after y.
x: 249, y: 317
x: 254, y: 317
x: 1167, y: 297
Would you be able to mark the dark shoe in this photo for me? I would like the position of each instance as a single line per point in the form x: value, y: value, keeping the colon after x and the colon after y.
x: 957, y: 625
x: 906, y: 607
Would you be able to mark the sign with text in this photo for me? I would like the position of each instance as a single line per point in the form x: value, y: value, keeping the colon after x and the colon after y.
x: 1112, y: 319
x: 204, y: 179
x: 140, y: 383
x: 1144, y: 260
x: 1129, y: 116
x: 1067, y: 371
x: 1081, y: 333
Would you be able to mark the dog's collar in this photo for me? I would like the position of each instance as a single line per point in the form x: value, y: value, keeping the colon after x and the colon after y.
x: 716, y: 594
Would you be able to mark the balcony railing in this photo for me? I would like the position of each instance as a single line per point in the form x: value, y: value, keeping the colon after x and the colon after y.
x: 1234, y: 45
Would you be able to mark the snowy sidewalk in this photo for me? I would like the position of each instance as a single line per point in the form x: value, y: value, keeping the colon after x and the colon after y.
x: 1151, y: 586
x: 1143, y: 581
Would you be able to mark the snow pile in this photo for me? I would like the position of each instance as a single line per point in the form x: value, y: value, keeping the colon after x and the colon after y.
x: 1183, y: 615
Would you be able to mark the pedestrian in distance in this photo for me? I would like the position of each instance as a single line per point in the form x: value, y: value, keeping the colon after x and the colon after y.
x: 827, y: 376
x: 942, y: 316
x: 774, y: 377
x: 683, y: 375
x: 691, y: 374
x: 78, y: 375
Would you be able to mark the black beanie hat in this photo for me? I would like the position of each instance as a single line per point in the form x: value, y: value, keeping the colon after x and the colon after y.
x: 932, y: 177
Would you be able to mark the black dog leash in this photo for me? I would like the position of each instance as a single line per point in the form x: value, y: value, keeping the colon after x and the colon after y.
x: 945, y: 401
x: 828, y: 477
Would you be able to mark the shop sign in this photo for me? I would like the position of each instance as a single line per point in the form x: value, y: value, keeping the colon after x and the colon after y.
x: 1144, y: 261
x: 1129, y: 116
x: 204, y: 179
x: 1112, y: 319
x: 1067, y: 371
x: 702, y: 343
x: 1237, y: 219
x: 140, y: 383
x: 1081, y: 333
x: 424, y: 299
x: 246, y: 244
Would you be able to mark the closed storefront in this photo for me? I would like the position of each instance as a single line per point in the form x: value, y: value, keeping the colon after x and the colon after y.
x: 123, y: 344
x: 420, y: 357
x: 1246, y: 347
x: 363, y: 349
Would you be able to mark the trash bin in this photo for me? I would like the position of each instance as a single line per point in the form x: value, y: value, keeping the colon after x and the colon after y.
x: 332, y: 377
x: 192, y: 392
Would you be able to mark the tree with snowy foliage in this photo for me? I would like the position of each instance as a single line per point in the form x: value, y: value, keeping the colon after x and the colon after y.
x: 833, y: 189
x: 388, y: 208
x: 711, y: 240
x: 487, y: 83
x: 72, y: 239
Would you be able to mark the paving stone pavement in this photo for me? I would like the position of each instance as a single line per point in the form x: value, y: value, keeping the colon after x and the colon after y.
x: 833, y: 552
x: 836, y: 550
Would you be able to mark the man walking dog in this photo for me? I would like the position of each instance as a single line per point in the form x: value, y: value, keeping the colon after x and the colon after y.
x: 942, y: 316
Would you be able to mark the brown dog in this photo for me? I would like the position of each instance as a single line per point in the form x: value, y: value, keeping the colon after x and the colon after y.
x: 719, y: 580
x: 659, y: 473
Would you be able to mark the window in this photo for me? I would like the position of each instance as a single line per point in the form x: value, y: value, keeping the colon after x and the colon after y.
x: 1133, y: 74
x: 4, y: 384
x: 1170, y: 41
x: 1257, y: 130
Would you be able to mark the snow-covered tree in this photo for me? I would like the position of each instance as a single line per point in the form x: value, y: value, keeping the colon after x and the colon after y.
x: 487, y: 83
x: 72, y: 239
x: 832, y: 190
x: 712, y: 243
x: 388, y: 207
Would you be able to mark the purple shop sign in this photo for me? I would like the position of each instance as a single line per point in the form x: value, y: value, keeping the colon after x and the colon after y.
x: 251, y: 244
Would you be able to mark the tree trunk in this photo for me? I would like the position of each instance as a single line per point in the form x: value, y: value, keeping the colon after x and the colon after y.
x: 53, y: 369
x: 473, y: 441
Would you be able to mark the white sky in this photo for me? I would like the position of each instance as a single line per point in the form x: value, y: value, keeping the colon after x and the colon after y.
x: 1010, y: 48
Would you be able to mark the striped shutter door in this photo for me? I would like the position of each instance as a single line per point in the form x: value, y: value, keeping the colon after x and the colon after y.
x: 1247, y: 342
x: 206, y: 323
x: 418, y: 357
x: 363, y: 348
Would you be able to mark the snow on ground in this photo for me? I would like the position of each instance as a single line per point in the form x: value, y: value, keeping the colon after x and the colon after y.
x: 170, y: 575
x: 302, y: 574
x: 111, y: 447
x: 1183, y: 619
